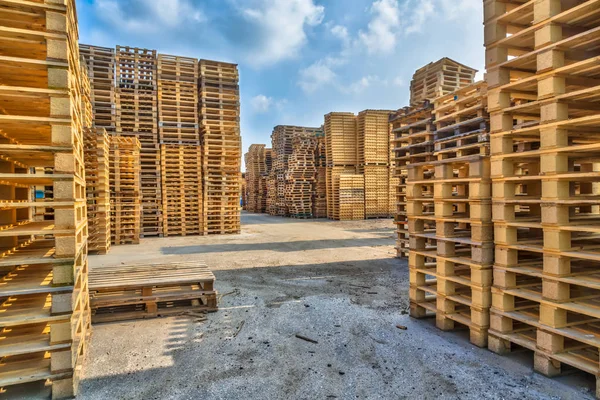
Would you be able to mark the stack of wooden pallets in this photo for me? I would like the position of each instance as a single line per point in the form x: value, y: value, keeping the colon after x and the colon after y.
x: 349, y: 197
x: 449, y: 218
x: 439, y: 78
x: 147, y: 291
x: 177, y: 83
x: 320, y: 191
x: 413, y: 129
x: 341, y: 155
x: 125, y: 190
x: 301, y: 173
x: 373, y: 140
x: 136, y: 116
x: 44, y: 304
x: 281, y: 140
x: 182, y: 189
x: 101, y: 71
x: 97, y: 175
x: 271, y: 182
x: 220, y: 136
x: 181, y: 154
x: 543, y: 93
x: 256, y: 168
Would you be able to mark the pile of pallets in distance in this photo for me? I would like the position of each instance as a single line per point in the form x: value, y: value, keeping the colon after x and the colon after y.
x: 543, y: 93
x: 258, y: 165
x: 127, y: 292
x: 181, y: 154
x: 44, y: 304
x: 222, y: 145
x: 301, y: 174
x: 125, y: 190
x: 448, y: 197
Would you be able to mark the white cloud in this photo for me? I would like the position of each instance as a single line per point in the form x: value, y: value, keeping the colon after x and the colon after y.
x: 282, y: 24
x: 261, y: 103
x: 363, y: 84
x: 316, y: 75
x: 340, y: 31
x: 381, y: 34
x: 399, y: 81
x: 144, y: 16
x: 422, y: 12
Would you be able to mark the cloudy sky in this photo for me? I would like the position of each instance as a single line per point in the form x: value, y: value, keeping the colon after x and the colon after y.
x: 299, y: 59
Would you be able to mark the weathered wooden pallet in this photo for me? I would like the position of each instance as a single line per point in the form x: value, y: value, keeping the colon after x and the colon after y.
x: 147, y: 291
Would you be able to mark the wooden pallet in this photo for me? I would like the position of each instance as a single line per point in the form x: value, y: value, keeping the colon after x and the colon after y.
x: 97, y: 170
x: 545, y: 148
x: 349, y: 197
x: 44, y: 307
x: 128, y: 292
x: 438, y: 79
x: 182, y: 190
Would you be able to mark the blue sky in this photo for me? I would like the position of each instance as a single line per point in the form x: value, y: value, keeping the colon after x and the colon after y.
x: 299, y: 59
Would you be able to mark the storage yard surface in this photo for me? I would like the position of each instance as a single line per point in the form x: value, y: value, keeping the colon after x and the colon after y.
x: 334, y: 282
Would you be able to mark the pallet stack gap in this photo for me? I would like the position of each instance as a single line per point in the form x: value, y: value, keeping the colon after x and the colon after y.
x: 413, y: 129
x: 450, y: 218
x: 44, y: 304
x: 136, y: 116
x: 181, y: 153
x: 543, y: 93
x: 125, y: 190
x: 219, y: 95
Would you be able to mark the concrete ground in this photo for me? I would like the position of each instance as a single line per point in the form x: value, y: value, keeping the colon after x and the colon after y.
x: 335, y: 282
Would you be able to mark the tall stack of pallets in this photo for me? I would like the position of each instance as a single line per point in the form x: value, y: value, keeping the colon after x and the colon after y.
x: 125, y: 190
x: 438, y: 79
x: 373, y: 146
x: 101, y: 71
x: 281, y: 140
x: 449, y: 218
x: 181, y: 154
x: 413, y: 129
x: 97, y: 163
x: 300, y: 174
x: 256, y: 168
x: 219, y: 108
x: 342, y: 158
x: 136, y: 116
x: 44, y: 305
x: 542, y: 74
x: 320, y: 193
